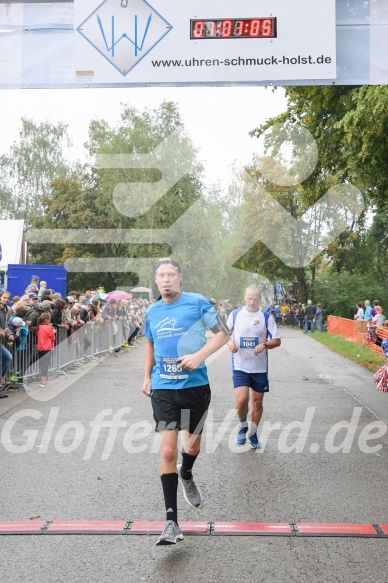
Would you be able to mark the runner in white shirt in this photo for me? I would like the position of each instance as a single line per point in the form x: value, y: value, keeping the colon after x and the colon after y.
x: 254, y: 331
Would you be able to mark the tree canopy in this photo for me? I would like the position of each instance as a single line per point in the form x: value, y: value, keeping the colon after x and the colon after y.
x: 349, y: 125
x: 144, y: 176
x: 30, y: 167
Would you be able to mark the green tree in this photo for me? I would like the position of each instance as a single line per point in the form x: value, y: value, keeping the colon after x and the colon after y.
x: 350, y: 127
x: 261, y: 219
x: 285, y: 235
x: 376, y: 248
x: 31, y: 165
x: 339, y: 292
x: 89, y: 203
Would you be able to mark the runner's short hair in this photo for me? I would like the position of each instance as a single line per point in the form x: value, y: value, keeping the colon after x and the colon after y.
x: 168, y: 261
x: 253, y: 287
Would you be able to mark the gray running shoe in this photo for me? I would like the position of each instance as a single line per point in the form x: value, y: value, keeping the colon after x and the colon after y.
x: 191, y: 492
x: 170, y: 535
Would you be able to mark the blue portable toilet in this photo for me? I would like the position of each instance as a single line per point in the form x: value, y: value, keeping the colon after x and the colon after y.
x: 18, y: 277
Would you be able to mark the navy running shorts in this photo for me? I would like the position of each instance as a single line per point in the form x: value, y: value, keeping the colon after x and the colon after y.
x: 181, y: 408
x: 257, y: 381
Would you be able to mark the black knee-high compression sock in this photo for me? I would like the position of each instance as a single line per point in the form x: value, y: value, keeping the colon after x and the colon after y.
x: 170, y: 487
x: 187, y: 465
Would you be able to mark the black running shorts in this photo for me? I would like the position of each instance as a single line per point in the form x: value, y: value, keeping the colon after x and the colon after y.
x: 181, y: 408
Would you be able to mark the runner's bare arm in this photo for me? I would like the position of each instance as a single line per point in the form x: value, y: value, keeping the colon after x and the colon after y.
x: 272, y: 343
x: 192, y: 361
x: 148, y: 365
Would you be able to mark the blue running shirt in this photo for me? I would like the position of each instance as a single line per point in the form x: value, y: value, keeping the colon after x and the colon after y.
x: 178, y: 329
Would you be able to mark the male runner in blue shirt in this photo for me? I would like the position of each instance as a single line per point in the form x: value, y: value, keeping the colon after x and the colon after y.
x: 175, y: 378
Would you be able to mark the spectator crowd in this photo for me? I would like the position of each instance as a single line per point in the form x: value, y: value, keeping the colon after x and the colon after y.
x: 25, y: 319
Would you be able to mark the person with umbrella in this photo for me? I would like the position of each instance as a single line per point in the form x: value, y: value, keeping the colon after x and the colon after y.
x: 118, y: 295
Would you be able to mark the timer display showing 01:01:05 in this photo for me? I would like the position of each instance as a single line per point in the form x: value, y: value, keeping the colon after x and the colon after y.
x: 233, y: 28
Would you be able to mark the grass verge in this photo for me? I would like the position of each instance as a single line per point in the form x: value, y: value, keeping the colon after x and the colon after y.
x: 356, y: 352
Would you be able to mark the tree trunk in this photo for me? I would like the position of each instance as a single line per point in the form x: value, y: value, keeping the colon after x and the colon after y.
x: 302, y: 284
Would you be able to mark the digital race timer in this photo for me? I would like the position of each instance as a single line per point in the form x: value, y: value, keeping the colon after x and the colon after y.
x: 233, y: 28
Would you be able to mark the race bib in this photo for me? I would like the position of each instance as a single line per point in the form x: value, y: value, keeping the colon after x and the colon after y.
x: 249, y: 342
x: 169, y: 368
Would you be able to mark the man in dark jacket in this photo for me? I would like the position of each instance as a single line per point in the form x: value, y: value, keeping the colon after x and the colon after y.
x: 5, y: 335
x: 310, y: 317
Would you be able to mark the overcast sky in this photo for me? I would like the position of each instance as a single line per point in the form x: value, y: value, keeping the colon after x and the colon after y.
x: 218, y: 119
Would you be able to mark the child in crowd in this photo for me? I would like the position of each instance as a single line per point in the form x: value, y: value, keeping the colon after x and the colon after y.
x: 14, y: 326
x: 46, y: 341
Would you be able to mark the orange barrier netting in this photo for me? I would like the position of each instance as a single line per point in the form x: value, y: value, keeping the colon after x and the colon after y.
x: 347, y: 329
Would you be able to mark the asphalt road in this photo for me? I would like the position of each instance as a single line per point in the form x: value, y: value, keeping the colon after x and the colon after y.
x: 59, y: 461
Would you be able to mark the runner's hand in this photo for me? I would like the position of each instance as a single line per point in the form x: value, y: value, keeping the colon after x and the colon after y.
x: 189, y: 362
x: 147, y: 388
x: 259, y: 348
x: 233, y: 347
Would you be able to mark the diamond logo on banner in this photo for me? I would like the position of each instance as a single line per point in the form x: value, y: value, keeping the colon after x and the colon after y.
x: 124, y: 32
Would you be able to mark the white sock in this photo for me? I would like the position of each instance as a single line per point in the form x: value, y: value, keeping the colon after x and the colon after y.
x: 252, y: 430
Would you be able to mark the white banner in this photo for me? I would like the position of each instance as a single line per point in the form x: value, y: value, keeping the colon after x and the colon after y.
x: 222, y: 41
x: 40, y: 45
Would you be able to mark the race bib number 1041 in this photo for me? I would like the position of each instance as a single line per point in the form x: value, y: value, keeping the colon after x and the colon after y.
x: 249, y: 342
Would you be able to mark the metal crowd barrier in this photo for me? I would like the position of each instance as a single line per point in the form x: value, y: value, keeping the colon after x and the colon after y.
x: 88, y: 342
